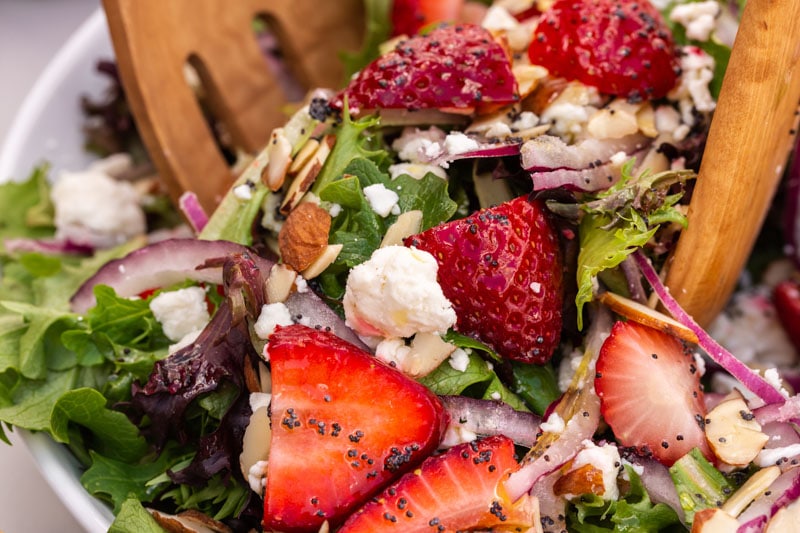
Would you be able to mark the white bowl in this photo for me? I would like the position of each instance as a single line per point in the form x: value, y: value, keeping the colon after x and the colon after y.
x: 48, y: 127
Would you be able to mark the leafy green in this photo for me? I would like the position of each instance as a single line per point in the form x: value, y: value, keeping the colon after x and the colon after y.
x: 699, y: 485
x: 134, y: 518
x: 25, y: 208
x: 376, y: 32
x: 616, y: 222
x: 537, y: 385
x: 634, y: 512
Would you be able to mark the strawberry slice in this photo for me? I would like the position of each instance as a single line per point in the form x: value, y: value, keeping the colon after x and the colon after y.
x: 501, y: 268
x: 622, y: 47
x: 454, y: 491
x: 650, y: 392
x: 457, y: 69
x: 410, y: 16
x: 786, y: 297
x: 343, y: 426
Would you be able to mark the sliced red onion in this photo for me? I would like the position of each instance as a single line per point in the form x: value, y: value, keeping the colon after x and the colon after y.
x: 490, y: 417
x: 748, y: 377
x: 195, y: 214
x: 308, y: 309
x: 779, y: 412
x: 586, y: 179
x: 552, y: 508
x: 548, y: 152
x: 482, y: 149
x: 47, y: 246
x: 783, y: 491
x: 156, y: 265
x: 791, y: 212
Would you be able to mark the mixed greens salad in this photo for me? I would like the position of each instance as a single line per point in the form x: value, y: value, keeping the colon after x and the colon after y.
x: 427, y: 305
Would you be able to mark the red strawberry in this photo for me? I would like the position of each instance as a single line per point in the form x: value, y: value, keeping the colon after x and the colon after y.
x: 786, y: 297
x: 343, y: 426
x: 410, y: 16
x: 453, y: 68
x: 455, y: 491
x: 622, y: 47
x: 650, y: 392
x: 501, y: 268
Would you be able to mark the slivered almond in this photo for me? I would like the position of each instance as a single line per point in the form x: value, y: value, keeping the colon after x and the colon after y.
x: 754, y: 487
x: 642, y: 314
x: 528, y: 78
x: 646, y: 119
x: 323, y: 261
x: 304, y: 235
x: 256, y: 440
x: 428, y: 351
x: 530, y: 133
x: 279, y: 283
x: 302, y: 157
x: 785, y: 520
x: 713, y: 521
x: 302, y: 182
x: 407, y: 224
x: 188, y: 522
x: 279, y: 154
x: 733, y: 433
x: 614, y: 121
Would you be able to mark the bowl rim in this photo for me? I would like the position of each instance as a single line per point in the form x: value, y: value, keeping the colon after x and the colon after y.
x: 56, y: 464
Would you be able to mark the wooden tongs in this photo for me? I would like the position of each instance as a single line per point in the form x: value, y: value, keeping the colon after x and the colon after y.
x: 751, y: 133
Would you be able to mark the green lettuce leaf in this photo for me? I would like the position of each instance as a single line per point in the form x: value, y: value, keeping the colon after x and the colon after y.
x: 134, y: 518
x: 25, y: 208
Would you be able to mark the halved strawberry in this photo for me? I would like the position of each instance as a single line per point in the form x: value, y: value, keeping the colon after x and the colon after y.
x: 453, y: 68
x: 343, y: 426
x: 622, y: 47
x: 786, y: 297
x: 410, y: 16
x: 650, y: 392
x: 501, y: 268
x: 455, y: 491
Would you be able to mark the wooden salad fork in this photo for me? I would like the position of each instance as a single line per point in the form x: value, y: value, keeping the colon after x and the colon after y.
x: 751, y: 133
x: 155, y: 39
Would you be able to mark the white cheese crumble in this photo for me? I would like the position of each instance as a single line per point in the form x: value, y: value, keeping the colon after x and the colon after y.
x: 697, y: 70
x: 553, y: 424
x: 393, y: 351
x: 458, y: 143
x: 243, y: 192
x: 395, y: 294
x: 271, y: 316
x: 93, y: 208
x: 334, y: 210
x: 459, y: 360
x: 525, y: 121
x: 259, y: 399
x: 181, y: 312
x: 699, y: 18
x: 382, y: 200
x: 604, y: 458
x: 413, y: 144
x: 257, y: 476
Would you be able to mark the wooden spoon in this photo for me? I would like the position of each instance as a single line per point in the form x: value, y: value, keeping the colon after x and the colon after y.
x: 751, y: 135
x: 154, y: 39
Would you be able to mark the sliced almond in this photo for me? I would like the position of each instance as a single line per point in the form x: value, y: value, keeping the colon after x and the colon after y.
x: 279, y: 153
x: 303, y: 156
x: 188, y: 522
x: 256, y: 440
x: 614, y: 121
x: 323, y: 261
x: 654, y: 161
x: 428, y: 351
x: 713, y: 521
x: 733, y: 433
x: 786, y: 520
x: 646, y: 119
x: 279, y: 283
x: 528, y: 78
x: 304, y: 235
x: 406, y: 225
x: 752, y: 489
x: 302, y: 182
x: 642, y: 314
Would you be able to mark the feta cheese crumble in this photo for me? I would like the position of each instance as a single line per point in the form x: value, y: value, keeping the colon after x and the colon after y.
x: 382, y: 200
x: 181, y: 312
x: 271, y: 316
x: 699, y: 18
x: 459, y: 360
x: 93, y: 208
x: 604, y: 458
x: 395, y: 294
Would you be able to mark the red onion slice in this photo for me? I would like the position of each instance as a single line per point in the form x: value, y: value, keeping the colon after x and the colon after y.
x: 47, y: 246
x: 490, y: 417
x: 156, y: 265
x: 195, y: 214
x: 782, y: 492
x: 748, y: 377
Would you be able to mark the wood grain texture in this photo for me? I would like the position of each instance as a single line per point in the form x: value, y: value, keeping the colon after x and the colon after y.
x: 154, y: 39
x: 750, y: 138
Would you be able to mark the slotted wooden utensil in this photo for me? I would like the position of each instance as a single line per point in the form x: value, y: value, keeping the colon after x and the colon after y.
x: 746, y: 150
x: 153, y: 41
x: 751, y: 135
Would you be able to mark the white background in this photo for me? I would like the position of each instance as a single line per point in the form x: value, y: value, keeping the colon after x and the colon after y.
x: 31, y: 31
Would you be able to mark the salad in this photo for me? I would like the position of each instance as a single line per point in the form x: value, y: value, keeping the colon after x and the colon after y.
x: 429, y: 304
